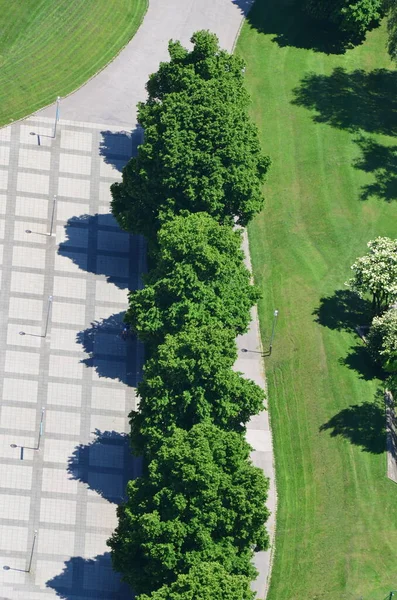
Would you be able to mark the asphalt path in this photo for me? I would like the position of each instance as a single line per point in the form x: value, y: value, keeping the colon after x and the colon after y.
x: 112, y: 95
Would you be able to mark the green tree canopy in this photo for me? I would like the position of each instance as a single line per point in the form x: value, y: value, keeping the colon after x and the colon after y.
x: 190, y: 379
x: 376, y: 273
x: 201, y: 150
x: 201, y: 501
x: 354, y: 17
x: 199, y: 276
x: 382, y: 340
x: 205, y: 581
x: 391, y: 6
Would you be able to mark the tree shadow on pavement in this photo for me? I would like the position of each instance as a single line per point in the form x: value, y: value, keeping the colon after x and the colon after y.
x: 89, y: 578
x: 290, y: 26
x: 118, y: 147
x: 362, y: 424
x: 106, y: 464
x: 96, y: 244
x: 344, y: 311
x: 109, y: 354
x: 381, y: 162
x: 244, y: 5
x: 353, y: 101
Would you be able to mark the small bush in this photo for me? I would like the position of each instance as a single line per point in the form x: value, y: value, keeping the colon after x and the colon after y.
x: 382, y: 340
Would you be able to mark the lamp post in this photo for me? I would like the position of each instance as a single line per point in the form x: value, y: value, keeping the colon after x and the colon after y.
x: 46, y: 323
x: 53, y: 215
x: 54, y: 202
x: 56, y: 116
x: 32, y: 550
x: 40, y: 428
x: 275, y: 315
x: 48, y: 315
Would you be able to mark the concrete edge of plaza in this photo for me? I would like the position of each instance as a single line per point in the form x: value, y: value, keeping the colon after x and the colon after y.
x: 263, y: 560
x: 250, y: 363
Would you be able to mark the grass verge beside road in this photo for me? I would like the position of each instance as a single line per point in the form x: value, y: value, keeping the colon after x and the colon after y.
x: 332, y: 187
x: 49, y: 48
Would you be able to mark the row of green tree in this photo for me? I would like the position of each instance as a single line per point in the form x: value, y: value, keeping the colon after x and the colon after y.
x: 193, y: 520
x: 353, y: 18
x: 376, y: 273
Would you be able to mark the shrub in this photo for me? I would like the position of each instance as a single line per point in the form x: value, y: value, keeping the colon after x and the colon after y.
x: 382, y: 340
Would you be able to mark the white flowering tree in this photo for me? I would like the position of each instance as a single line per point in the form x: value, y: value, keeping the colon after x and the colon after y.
x: 376, y: 273
x: 382, y: 340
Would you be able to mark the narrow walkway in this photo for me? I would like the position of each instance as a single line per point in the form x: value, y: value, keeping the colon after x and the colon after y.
x: 259, y: 435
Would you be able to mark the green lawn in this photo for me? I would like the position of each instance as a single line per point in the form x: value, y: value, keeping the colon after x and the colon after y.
x: 48, y: 48
x: 332, y: 187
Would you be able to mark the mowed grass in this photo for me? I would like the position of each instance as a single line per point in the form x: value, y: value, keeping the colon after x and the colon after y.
x: 48, y: 48
x: 332, y: 187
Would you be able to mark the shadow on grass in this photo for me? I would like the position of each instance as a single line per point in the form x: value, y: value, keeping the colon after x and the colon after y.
x: 89, y: 578
x: 352, y: 100
x: 290, y: 26
x: 344, y: 311
x: 360, y: 360
x: 381, y: 162
x: 362, y: 424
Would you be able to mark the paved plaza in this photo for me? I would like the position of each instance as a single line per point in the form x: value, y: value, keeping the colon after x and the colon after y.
x: 80, y: 371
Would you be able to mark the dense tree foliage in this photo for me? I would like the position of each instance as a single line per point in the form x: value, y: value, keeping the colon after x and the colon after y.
x: 376, y: 273
x: 382, y: 340
x: 353, y: 17
x: 191, y: 523
x: 189, y: 379
x: 202, y: 500
x: 199, y: 276
x: 205, y: 581
x: 201, y: 150
x: 391, y: 6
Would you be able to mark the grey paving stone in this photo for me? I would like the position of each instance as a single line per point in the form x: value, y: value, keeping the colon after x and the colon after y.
x: 73, y: 188
x: 54, y: 541
x: 25, y: 282
x: 20, y: 390
x: 38, y: 182
x: 76, y: 140
x: 32, y: 158
x: 64, y: 394
x: 58, y: 510
x: 75, y: 163
x: 58, y: 481
x: 36, y: 208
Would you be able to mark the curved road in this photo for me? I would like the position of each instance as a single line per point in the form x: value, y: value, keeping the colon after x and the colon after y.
x: 110, y: 99
x: 112, y: 95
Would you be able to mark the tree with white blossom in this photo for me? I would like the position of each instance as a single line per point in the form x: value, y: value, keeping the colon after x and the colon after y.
x: 382, y: 340
x: 376, y: 273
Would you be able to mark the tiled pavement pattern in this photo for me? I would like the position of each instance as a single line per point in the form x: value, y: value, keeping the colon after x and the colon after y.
x: 81, y: 373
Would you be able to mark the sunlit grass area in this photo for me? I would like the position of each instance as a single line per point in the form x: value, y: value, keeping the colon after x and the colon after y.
x: 48, y: 48
x: 328, y: 121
